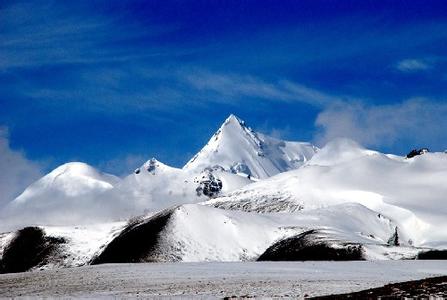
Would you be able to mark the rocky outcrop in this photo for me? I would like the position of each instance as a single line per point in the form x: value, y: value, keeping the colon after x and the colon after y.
x: 416, y: 152
x: 208, y: 184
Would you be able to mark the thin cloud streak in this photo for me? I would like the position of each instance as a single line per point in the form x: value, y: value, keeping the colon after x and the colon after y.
x: 232, y: 87
x: 36, y: 34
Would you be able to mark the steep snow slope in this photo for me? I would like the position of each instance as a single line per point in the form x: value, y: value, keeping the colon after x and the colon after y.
x: 412, y: 192
x: 239, y: 149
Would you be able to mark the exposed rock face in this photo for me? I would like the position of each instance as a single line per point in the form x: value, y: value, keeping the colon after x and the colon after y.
x: 260, y: 205
x: 29, y: 248
x: 138, y: 242
x: 416, y: 152
x: 209, y: 185
x: 310, y: 246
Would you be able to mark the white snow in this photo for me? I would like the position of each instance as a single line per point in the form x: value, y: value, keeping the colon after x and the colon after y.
x: 199, y: 233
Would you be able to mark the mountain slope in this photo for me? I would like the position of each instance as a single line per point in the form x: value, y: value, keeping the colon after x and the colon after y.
x: 239, y: 149
x: 409, y: 191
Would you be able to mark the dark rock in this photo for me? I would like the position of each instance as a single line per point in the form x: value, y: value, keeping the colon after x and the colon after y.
x: 209, y: 185
x: 429, y: 288
x: 394, y: 239
x: 310, y: 246
x: 432, y: 254
x: 416, y: 152
x: 30, y: 248
x: 138, y: 242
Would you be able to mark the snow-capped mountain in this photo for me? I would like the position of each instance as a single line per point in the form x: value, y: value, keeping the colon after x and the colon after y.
x: 71, y: 180
x: 76, y: 193
x: 239, y: 149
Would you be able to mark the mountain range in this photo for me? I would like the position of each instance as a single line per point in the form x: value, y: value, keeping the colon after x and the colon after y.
x: 244, y: 196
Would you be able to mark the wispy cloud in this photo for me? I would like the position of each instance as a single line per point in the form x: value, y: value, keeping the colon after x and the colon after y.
x: 232, y: 87
x: 36, y: 34
x: 17, y: 171
x: 413, y: 65
x: 418, y: 122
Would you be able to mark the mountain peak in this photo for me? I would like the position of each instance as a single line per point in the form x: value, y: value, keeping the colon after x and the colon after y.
x: 153, y: 166
x: 233, y: 122
x: 73, y: 168
x: 234, y: 119
x: 236, y: 146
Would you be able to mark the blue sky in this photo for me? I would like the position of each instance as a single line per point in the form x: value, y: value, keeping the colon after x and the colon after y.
x: 113, y: 83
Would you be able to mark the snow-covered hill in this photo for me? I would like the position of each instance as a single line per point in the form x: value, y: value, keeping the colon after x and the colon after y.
x: 412, y: 192
x: 199, y: 233
x: 72, y: 193
x: 195, y: 233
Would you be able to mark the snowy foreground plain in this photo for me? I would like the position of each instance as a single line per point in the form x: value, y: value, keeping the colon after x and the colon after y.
x: 216, y: 280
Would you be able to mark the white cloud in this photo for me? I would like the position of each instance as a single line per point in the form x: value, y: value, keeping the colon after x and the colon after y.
x: 17, y: 172
x: 417, y: 121
x: 412, y: 65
